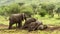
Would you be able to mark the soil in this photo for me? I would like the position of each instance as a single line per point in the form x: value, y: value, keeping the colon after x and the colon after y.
x: 50, y: 27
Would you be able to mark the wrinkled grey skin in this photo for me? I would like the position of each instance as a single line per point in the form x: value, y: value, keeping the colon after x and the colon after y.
x: 38, y: 25
x: 16, y: 19
x: 27, y: 22
x: 42, y: 27
x: 34, y: 25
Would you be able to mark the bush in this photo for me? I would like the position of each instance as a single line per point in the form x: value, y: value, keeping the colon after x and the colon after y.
x: 11, y: 9
x: 42, y: 13
x: 14, y: 8
x: 28, y: 13
x: 27, y: 10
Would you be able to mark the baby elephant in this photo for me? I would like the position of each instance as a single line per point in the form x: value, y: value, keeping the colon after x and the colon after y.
x: 16, y: 19
x: 27, y: 22
x: 42, y: 27
x: 34, y: 25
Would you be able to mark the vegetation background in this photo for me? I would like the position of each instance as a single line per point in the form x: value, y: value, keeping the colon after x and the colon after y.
x: 47, y: 11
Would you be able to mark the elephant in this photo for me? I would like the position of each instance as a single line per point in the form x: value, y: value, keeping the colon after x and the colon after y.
x: 17, y: 19
x: 34, y: 25
x: 42, y: 27
x: 27, y: 22
x: 38, y: 25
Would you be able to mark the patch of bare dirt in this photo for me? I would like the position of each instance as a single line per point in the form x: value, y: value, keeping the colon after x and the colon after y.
x: 50, y: 27
x: 3, y: 26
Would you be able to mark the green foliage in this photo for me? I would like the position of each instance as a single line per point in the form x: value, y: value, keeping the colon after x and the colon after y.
x: 18, y: 8
x: 49, y: 8
x: 2, y: 10
x: 14, y: 8
x: 42, y: 13
x: 27, y: 10
x: 11, y: 9
x: 34, y: 6
x: 21, y: 4
x: 58, y: 10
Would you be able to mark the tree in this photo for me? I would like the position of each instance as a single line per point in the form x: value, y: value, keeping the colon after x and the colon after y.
x: 58, y: 11
x: 21, y: 4
x: 27, y: 10
x: 49, y: 8
x: 14, y: 8
x: 34, y: 6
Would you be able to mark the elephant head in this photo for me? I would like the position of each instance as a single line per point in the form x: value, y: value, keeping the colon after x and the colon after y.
x: 25, y: 16
x: 42, y: 27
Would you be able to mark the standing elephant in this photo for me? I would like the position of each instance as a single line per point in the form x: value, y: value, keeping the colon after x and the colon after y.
x: 27, y: 22
x: 16, y: 19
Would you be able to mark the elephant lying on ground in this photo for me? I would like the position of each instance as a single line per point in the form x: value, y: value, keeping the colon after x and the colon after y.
x: 42, y: 27
x: 16, y: 19
x: 34, y: 25
x: 27, y: 22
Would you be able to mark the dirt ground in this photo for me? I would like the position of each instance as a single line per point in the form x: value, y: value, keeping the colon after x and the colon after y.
x: 50, y: 27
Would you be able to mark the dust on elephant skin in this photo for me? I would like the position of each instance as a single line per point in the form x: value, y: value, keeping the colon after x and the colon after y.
x: 16, y: 19
x: 27, y: 22
x: 42, y: 27
x: 34, y: 25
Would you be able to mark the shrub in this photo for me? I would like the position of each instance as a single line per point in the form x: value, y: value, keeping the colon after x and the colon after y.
x: 42, y: 13
x: 14, y: 8
x: 27, y: 10
x: 28, y: 13
x: 11, y: 9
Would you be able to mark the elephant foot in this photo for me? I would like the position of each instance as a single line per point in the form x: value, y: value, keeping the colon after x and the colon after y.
x: 9, y: 28
x: 18, y: 27
x: 30, y: 30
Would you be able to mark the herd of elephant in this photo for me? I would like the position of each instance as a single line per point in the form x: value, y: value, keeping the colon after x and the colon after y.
x: 31, y: 24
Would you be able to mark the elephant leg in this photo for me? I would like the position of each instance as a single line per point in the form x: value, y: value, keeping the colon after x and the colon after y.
x: 19, y: 24
x: 30, y: 29
x: 16, y: 25
x: 10, y: 25
x: 24, y: 26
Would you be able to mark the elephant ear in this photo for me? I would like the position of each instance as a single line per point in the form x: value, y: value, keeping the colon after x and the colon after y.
x: 24, y: 16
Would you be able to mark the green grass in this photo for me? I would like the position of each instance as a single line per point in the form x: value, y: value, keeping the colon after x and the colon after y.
x: 46, y: 20
x: 3, y: 20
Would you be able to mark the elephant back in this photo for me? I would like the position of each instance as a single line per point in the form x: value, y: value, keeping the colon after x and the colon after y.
x: 30, y: 20
x: 16, y: 17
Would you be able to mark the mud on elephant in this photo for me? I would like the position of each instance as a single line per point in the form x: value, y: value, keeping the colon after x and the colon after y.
x: 27, y: 22
x: 17, y: 19
x: 42, y: 27
x: 32, y: 24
